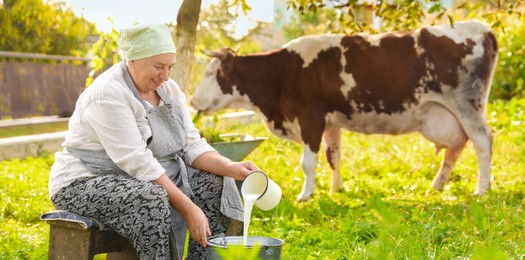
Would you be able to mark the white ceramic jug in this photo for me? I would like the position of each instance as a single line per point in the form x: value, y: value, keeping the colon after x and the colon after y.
x: 258, y: 183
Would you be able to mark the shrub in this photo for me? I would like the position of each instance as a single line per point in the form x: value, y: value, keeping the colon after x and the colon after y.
x: 509, y: 79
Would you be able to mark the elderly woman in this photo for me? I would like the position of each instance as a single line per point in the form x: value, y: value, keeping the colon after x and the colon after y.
x: 134, y: 160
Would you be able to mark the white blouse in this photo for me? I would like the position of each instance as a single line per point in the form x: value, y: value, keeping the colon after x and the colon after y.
x: 109, y: 117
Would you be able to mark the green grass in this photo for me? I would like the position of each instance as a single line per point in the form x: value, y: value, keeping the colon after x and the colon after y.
x: 386, y: 210
x: 33, y: 129
x: 23, y: 197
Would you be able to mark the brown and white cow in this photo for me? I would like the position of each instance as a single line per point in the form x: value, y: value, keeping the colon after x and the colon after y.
x: 434, y: 80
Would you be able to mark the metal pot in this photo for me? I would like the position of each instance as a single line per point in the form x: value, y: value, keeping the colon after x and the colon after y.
x: 269, y: 248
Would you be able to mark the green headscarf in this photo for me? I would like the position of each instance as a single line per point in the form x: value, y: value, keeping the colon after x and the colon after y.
x: 146, y: 41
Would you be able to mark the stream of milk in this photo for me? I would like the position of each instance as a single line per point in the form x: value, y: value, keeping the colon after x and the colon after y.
x: 249, y: 200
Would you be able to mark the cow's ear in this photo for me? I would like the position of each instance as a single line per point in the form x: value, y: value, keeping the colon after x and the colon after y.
x: 221, y: 55
x: 225, y: 69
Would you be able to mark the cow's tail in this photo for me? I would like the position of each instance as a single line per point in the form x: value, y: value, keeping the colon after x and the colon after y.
x: 490, y: 45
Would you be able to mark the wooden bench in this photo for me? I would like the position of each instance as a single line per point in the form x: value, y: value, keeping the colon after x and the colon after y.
x: 75, y: 239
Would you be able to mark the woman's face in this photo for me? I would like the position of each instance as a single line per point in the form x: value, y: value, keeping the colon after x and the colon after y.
x: 149, y: 73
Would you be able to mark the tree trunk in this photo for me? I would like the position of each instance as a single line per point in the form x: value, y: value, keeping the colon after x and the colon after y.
x: 185, y: 38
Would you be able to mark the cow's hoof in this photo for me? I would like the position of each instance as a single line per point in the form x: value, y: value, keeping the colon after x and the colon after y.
x: 480, y: 192
x: 337, y: 185
x: 303, y: 197
x: 482, y: 188
x: 336, y: 189
x: 438, y: 183
x: 438, y: 186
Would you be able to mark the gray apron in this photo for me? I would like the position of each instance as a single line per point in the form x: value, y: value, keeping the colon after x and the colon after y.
x: 166, y: 144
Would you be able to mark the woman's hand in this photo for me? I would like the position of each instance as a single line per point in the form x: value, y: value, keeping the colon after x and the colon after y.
x: 197, y: 225
x: 195, y: 219
x: 239, y: 170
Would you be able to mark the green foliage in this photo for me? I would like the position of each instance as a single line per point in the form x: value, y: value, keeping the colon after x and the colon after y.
x: 324, y: 20
x: 507, y: 118
x: 510, y: 81
x: 484, y: 253
x: 45, y: 27
x: 104, y: 53
x: 217, y: 28
x: 211, y: 135
x: 208, y: 131
x: 358, y: 16
x: 496, y: 13
x: 478, y: 216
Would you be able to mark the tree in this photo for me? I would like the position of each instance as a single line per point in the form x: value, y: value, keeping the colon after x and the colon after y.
x: 323, y: 20
x: 212, y: 28
x: 358, y: 15
x: 217, y: 29
x: 47, y: 28
x: 185, y: 38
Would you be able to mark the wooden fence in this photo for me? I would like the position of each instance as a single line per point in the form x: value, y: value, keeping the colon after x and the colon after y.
x: 40, y: 85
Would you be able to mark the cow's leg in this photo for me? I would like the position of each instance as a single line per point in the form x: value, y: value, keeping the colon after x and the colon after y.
x: 449, y: 159
x: 332, y: 141
x: 473, y: 121
x: 469, y: 124
x: 309, y: 163
x: 481, y: 137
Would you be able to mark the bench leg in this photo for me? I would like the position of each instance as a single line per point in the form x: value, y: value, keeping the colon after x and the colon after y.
x: 235, y: 228
x: 66, y: 243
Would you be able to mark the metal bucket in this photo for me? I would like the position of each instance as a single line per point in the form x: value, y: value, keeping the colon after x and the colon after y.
x: 269, y: 248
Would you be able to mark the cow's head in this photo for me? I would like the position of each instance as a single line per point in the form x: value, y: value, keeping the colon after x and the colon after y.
x: 216, y: 89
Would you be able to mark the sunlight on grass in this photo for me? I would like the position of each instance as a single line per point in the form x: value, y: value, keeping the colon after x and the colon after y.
x: 385, y: 211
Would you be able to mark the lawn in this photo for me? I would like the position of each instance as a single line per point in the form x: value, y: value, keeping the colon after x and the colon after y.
x: 33, y: 129
x: 386, y: 210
